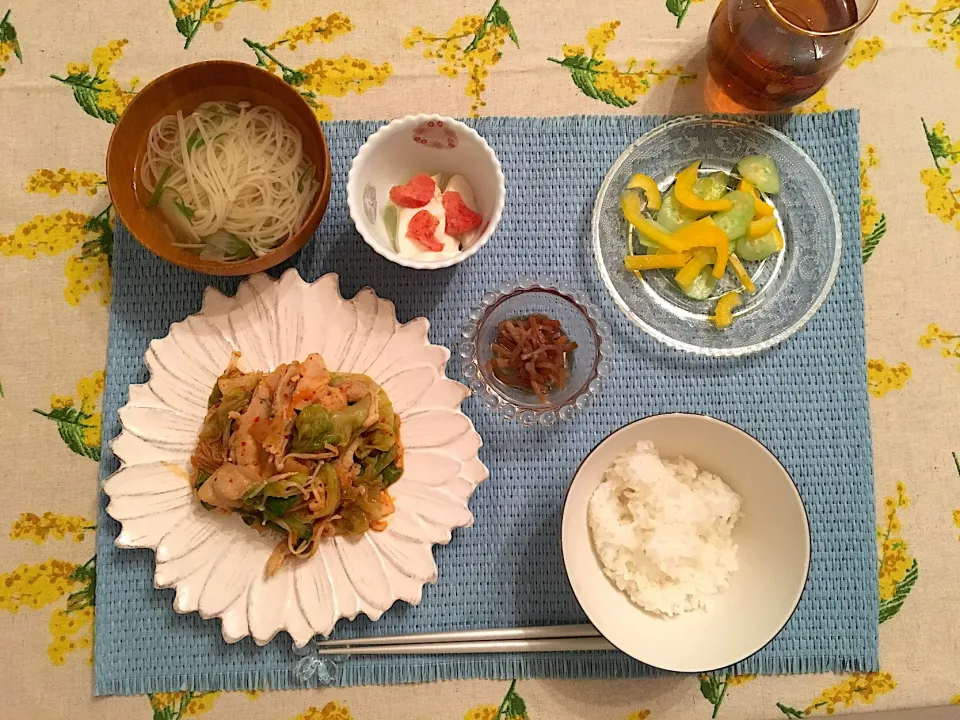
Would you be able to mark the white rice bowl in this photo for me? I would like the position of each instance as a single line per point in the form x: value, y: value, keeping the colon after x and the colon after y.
x: 662, y: 530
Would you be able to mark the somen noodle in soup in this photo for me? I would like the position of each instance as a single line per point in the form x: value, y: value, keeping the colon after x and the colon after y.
x: 231, y: 179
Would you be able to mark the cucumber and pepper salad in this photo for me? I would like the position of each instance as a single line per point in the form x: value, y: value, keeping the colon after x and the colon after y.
x: 702, y: 225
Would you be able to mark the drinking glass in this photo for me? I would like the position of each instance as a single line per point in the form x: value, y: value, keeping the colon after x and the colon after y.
x: 766, y: 55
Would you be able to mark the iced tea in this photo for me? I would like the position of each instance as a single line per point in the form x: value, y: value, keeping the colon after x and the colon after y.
x: 771, y: 54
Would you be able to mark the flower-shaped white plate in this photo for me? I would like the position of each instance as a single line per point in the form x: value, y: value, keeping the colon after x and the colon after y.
x: 214, y: 561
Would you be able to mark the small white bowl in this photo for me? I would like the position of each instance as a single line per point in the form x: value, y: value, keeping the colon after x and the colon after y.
x: 772, y: 538
x: 416, y: 144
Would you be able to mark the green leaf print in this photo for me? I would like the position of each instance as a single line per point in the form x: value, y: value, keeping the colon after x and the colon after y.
x: 86, y: 91
x: 291, y: 76
x: 789, y: 711
x: 941, y: 147
x: 71, y: 423
x: 496, y: 17
x: 678, y: 8
x: 713, y: 689
x: 102, y: 243
x: 1, y: 395
x: 8, y: 40
x: 583, y: 70
x: 188, y: 25
x: 889, y: 608
x: 871, y: 240
x: 513, y: 706
x: 175, y: 710
x: 86, y: 596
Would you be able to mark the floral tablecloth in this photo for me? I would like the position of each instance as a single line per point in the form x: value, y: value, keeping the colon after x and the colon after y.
x: 69, y: 69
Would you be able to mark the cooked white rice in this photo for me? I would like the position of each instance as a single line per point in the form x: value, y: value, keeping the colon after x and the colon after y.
x: 662, y: 530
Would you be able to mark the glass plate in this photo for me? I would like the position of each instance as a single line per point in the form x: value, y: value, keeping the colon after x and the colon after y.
x: 581, y: 323
x: 791, y: 285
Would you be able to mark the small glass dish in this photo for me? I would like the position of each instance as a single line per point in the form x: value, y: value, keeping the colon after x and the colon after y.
x: 791, y: 285
x: 582, y: 324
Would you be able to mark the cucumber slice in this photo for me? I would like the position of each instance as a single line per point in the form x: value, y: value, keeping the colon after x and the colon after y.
x: 755, y: 249
x: 711, y: 187
x: 735, y: 221
x: 762, y: 172
x: 673, y: 216
x: 702, y: 286
x: 635, y: 235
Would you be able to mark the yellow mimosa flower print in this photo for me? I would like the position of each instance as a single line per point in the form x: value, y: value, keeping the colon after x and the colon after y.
x: 100, y: 95
x: 39, y: 585
x: 87, y: 271
x: 319, y: 29
x: 9, y: 44
x: 36, y: 586
x: 192, y: 14
x: 857, y: 688
x: 941, y: 22
x: 183, y: 704
x: 78, y: 420
x: 942, y: 199
x: 898, y: 570
x: 639, y: 715
x: 330, y: 711
x: 882, y: 378
x: 482, y: 712
x: 323, y: 77
x: 816, y: 103
x: 949, y: 342
x: 54, y: 182
x: 600, y: 78
x: 470, y: 48
x: 873, y: 223
x: 864, y: 49
x: 71, y: 631
x: 30, y: 526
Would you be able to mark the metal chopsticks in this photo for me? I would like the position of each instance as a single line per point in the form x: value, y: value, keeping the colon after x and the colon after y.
x: 560, y: 638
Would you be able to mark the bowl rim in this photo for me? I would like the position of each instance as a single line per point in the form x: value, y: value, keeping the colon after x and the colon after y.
x: 244, y: 267
x: 490, y: 395
x: 670, y: 126
x: 354, y: 200
x: 793, y: 485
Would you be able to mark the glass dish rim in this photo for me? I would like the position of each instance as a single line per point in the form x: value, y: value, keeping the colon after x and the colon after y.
x: 664, y: 129
x: 491, y: 397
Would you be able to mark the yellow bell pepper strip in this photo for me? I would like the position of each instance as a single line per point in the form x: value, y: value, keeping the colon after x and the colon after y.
x: 649, y: 187
x: 759, y: 228
x: 723, y: 254
x: 688, y: 273
x: 779, y: 236
x: 702, y: 233
x: 705, y: 233
x: 761, y: 208
x: 741, y: 272
x: 723, y: 313
x: 683, y: 189
x: 652, y: 262
x: 630, y: 207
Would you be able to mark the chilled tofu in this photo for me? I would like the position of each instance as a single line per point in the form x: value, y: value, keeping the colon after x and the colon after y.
x: 411, y: 248
x: 458, y: 183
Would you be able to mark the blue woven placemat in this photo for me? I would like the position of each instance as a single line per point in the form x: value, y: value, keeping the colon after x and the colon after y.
x: 805, y: 399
